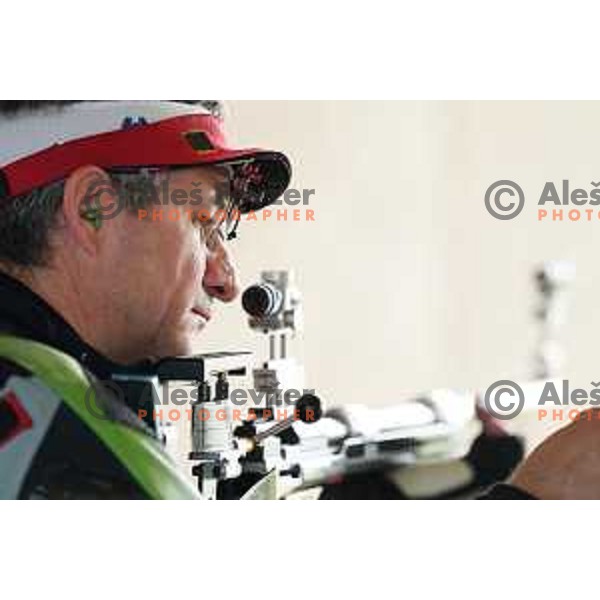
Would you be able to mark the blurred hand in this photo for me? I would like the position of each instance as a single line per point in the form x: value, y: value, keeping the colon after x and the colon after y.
x: 567, y: 464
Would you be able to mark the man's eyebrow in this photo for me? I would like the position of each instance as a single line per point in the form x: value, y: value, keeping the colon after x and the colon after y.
x: 223, y: 176
x: 215, y: 172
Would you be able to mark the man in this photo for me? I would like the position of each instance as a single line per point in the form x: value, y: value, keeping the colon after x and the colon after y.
x: 89, y: 283
x: 96, y: 275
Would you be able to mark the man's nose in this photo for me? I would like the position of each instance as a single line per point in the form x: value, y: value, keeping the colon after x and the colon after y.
x: 220, y: 277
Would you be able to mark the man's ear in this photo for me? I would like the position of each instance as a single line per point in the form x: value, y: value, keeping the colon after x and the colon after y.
x: 88, y: 198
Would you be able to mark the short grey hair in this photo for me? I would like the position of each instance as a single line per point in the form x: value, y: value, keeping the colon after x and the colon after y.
x: 25, y: 224
x: 27, y: 221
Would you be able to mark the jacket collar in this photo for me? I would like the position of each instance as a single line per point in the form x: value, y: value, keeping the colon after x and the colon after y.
x: 25, y: 314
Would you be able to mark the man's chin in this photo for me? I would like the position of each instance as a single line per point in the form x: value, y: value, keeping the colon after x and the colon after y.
x: 181, y: 341
x: 184, y: 345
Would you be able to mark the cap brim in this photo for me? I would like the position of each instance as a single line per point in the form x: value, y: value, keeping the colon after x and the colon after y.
x: 259, y: 177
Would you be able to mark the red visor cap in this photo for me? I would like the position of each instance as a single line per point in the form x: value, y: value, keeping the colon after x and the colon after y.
x: 259, y: 177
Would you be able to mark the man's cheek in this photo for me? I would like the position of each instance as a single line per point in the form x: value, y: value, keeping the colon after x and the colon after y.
x: 191, y: 285
x: 198, y: 270
x: 192, y: 261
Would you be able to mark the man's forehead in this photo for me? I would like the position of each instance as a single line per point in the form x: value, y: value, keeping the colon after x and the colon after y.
x: 215, y: 174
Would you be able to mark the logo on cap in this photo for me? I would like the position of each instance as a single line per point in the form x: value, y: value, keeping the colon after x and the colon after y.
x: 130, y: 122
x: 198, y: 140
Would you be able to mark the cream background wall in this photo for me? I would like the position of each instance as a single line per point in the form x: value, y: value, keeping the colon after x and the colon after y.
x: 408, y: 283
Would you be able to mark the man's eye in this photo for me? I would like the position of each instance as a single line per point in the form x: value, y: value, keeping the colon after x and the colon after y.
x: 205, y: 225
x: 198, y: 222
x: 216, y: 234
x: 212, y: 233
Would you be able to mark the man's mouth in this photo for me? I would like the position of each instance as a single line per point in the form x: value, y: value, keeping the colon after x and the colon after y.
x: 205, y: 313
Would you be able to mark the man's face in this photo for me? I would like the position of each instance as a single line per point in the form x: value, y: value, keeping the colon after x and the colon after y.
x: 170, y: 263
